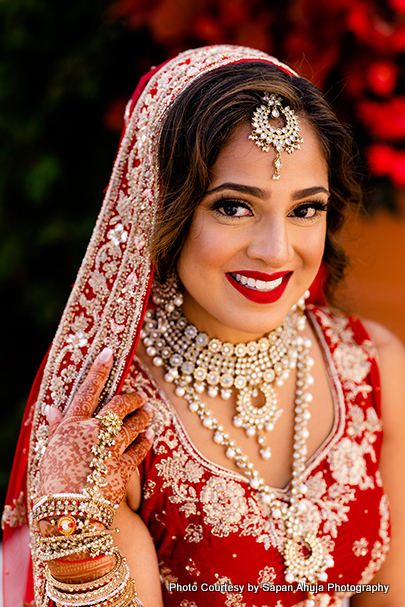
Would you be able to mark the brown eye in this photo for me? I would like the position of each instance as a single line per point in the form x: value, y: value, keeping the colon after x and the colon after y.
x: 232, y: 209
x: 309, y: 210
x: 304, y: 212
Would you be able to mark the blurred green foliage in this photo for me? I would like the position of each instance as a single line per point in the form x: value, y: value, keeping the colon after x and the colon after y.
x: 62, y: 65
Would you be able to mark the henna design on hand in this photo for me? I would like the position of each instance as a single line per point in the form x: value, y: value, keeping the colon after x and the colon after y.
x: 65, y: 464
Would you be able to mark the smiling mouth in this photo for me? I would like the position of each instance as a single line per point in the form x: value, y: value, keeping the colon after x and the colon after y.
x: 258, y: 285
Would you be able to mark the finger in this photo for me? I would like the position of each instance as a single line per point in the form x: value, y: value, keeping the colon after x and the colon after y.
x: 53, y: 417
x: 137, y: 452
x: 86, y: 400
x: 123, y: 404
x: 132, y: 427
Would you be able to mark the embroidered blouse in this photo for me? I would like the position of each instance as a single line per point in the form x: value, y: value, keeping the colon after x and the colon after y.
x: 218, y: 545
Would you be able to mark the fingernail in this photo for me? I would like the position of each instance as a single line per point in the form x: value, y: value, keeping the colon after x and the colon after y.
x: 142, y: 392
x: 147, y: 407
x: 149, y: 434
x: 52, y: 414
x: 105, y: 356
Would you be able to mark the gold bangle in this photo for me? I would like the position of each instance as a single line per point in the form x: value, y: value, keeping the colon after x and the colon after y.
x: 127, y: 598
x: 114, y: 591
x: 92, y: 585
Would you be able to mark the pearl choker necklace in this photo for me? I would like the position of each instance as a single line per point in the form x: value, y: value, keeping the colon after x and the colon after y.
x: 175, y: 344
x: 192, y: 358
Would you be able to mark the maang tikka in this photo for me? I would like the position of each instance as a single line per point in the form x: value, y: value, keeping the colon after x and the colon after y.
x: 265, y: 135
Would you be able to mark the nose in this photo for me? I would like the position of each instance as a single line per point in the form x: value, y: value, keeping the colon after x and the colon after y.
x: 271, y: 242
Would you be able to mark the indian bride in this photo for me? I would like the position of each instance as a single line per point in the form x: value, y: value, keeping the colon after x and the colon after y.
x: 207, y: 428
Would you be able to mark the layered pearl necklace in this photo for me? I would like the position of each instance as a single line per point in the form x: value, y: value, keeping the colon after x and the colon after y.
x: 192, y: 361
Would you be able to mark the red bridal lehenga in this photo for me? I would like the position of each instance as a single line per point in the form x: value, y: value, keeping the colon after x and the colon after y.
x: 206, y: 522
x: 211, y: 530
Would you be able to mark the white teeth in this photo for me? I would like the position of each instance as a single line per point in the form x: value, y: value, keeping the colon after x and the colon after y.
x: 260, y: 285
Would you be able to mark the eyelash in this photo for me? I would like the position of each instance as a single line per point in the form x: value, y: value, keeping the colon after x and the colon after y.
x: 223, y: 202
x: 317, y: 205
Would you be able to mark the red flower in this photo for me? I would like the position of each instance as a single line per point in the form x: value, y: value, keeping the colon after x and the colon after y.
x: 389, y: 162
x: 372, y: 30
x: 385, y: 120
x: 382, y: 77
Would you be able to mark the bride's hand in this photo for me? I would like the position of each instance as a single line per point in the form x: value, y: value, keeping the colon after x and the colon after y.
x: 65, y: 464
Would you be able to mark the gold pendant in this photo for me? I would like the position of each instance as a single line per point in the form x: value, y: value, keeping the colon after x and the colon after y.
x: 257, y: 420
x: 308, y: 568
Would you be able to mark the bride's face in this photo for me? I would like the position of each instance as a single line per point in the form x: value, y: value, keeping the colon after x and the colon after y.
x: 255, y: 243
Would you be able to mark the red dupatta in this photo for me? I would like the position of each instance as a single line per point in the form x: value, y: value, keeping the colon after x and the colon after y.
x: 108, y: 300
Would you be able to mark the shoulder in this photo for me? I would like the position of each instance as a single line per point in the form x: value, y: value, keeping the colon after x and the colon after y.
x: 391, y: 359
x: 389, y: 347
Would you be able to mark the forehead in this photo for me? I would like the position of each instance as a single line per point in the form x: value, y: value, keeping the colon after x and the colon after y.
x: 242, y: 162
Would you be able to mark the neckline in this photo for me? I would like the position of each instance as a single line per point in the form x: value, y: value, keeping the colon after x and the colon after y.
x: 324, y: 448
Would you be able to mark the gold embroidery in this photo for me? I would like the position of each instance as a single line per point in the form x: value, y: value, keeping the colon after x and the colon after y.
x: 347, y: 459
x: 348, y: 464
x: 380, y: 549
x: 186, y: 603
x: 178, y: 471
x: 360, y: 547
x: 224, y: 505
x: 233, y: 599
x: 193, y: 533
x: 360, y: 424
x: 167, y: 576
x: 192, y: 568
x: 267, y: 574
x: 326, y: 507
x: 351, y: 362
x: 148, y: 488
x: 378, y: 479
x: 261, y: 525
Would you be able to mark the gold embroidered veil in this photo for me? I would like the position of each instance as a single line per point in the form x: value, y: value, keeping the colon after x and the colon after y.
x: 108, y: 300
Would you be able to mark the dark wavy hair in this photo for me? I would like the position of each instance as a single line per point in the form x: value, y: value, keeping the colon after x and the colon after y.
x: 200, y: 123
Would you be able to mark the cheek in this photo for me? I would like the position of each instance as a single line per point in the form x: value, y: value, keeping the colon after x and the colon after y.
x: 205, y: 249
x: 312, y: 245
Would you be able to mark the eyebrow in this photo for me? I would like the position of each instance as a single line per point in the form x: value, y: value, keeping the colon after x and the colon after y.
x: 310, y: 192
x: 243, y: 189
x: 259, y: 193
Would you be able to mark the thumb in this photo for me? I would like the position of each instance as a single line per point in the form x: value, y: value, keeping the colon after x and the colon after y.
x: 53, y: 417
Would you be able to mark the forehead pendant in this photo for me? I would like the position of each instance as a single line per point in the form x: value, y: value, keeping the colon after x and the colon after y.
x: 264, y: 135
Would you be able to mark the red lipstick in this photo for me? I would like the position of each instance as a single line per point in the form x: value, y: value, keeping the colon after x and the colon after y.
x: 261, y: 297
